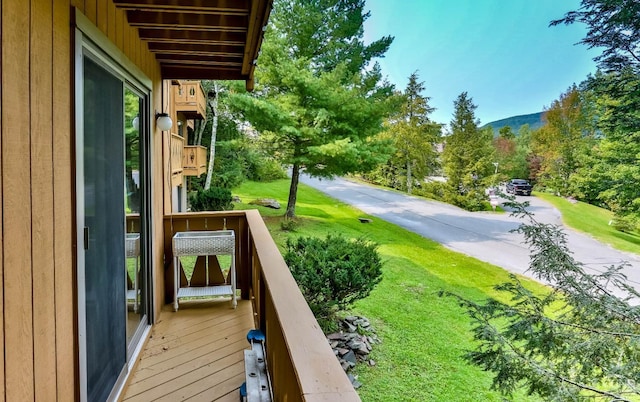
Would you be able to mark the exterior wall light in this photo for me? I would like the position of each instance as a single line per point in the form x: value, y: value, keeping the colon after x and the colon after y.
x: 163, y: 121
x: 136, y: 123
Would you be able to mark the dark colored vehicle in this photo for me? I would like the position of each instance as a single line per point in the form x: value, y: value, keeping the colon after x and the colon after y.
x: 518, y: 186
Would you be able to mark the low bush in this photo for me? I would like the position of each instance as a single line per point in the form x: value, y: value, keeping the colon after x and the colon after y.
x: 262, y: 168
x: 288, y: 224
x: 214, y: 199
x: 626, y: 224
x: 333, y: 273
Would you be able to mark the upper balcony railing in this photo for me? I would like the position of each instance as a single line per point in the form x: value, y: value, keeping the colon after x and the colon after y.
x: 194, y: 160
x: 190, y: 99
x: 176, y: 148
x: 301, y: 364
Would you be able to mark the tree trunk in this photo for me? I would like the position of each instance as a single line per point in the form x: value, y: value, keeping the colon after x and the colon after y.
x: 293, y: 192
x: 214, y: 128
x: 201, y: 126
x: 409, y: 177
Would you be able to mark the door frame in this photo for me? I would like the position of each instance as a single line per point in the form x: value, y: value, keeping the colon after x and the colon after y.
x: 91, y: 42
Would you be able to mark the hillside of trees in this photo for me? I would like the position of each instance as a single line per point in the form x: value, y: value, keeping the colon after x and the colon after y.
x: 534, y: 120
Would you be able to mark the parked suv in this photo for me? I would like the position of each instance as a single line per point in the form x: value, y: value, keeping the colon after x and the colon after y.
x: 518, y: 186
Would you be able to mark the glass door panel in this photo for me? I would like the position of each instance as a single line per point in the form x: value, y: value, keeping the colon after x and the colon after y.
x: 104, y: 228
x: 133, y: 205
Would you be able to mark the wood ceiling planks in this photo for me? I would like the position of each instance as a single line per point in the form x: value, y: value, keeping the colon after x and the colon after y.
x: 201, y: 39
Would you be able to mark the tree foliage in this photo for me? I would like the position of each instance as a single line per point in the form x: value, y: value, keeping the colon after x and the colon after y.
x: 319, y: 102
x: 614, y: 26
x: 414, y: 137
x: 468, y: 156
x: 580, y: 341
x: 568, y: 134
x: 611, y: 176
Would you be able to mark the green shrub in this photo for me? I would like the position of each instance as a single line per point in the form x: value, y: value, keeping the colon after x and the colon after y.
x: 627, y: 224
x: 333, y: 273
x: 214, y: 199
x: 288, y: 224
x: 434, y: 190
x: 262, y: 168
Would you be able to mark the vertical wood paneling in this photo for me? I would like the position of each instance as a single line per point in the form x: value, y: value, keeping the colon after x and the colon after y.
x: 38, y: 296
x: 111, y: 21
x: 42, y: 199
x: 2, y: 338
x: 79, y: 4
x: 136, y: 47
x: 16, y: 202
x: 91, y: 10
x: 119, y: 27
x: 63, y: 217
x: 126, y: 37
x: 102, y: 15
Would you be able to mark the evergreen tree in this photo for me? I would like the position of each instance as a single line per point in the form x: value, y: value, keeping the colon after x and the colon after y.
x: 468, y: 155
x: 576, y: 342
x: 414, y: 136
x: 318, y: 101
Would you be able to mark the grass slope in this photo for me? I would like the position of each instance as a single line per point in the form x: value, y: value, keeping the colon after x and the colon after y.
x: 424, y: 336
x: 594, y: 221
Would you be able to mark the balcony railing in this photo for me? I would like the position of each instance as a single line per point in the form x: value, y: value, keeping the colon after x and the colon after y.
x: 194, y: 160
x: 301, y: 364
x: 190, y: 99
x: 176, y: 149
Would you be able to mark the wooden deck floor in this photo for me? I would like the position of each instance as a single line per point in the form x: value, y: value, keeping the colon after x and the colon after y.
x: 195, y: 354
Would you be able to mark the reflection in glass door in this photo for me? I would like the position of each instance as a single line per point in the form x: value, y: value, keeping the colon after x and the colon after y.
x: 136, y: 280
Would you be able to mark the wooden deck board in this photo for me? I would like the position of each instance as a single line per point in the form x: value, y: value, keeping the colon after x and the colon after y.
x: 194, y: 354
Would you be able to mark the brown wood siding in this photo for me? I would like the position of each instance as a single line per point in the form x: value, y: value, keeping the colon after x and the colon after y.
x: 16, y: 202
x: 37, y: 187
x: 2, y: 364
x: 63, y: 213
x: 42, y: 198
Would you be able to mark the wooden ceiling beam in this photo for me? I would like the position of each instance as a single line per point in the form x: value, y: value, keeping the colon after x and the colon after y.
x: 212, y: 58
x: 202, y: 63
x: 187, y: 36
x: 260, y: 10
x: 226, y: 7
x: 194, y: 48
x: 201, y: 39
x: 181, y: 72
x: 168, y: 20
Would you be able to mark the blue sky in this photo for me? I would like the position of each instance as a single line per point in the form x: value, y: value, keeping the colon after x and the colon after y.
x: 502, y: 52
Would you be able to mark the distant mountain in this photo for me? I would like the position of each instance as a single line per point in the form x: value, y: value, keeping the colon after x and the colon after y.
x: 534, y: 120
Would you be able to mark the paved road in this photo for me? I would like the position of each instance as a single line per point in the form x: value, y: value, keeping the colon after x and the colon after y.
x: 485, y: 236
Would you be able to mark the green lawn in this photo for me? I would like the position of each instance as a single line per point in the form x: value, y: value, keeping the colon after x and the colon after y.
x: 593, y: 221
x: 424, y: 336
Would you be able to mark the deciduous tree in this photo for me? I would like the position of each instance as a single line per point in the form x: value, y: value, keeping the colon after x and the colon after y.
x: 568, y: 132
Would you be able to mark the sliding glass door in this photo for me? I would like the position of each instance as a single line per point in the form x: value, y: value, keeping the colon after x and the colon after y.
x: 113, y: 217
x: 104, y: 228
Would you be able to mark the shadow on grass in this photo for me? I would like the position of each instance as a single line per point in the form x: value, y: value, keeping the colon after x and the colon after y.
x: 311, y: 211
x: 629, y: 237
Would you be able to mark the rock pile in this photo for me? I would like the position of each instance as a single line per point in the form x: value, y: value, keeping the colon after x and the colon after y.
x: 353, y: 344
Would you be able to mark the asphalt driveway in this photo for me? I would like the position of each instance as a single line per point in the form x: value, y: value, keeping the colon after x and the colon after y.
x: 482, y: 235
